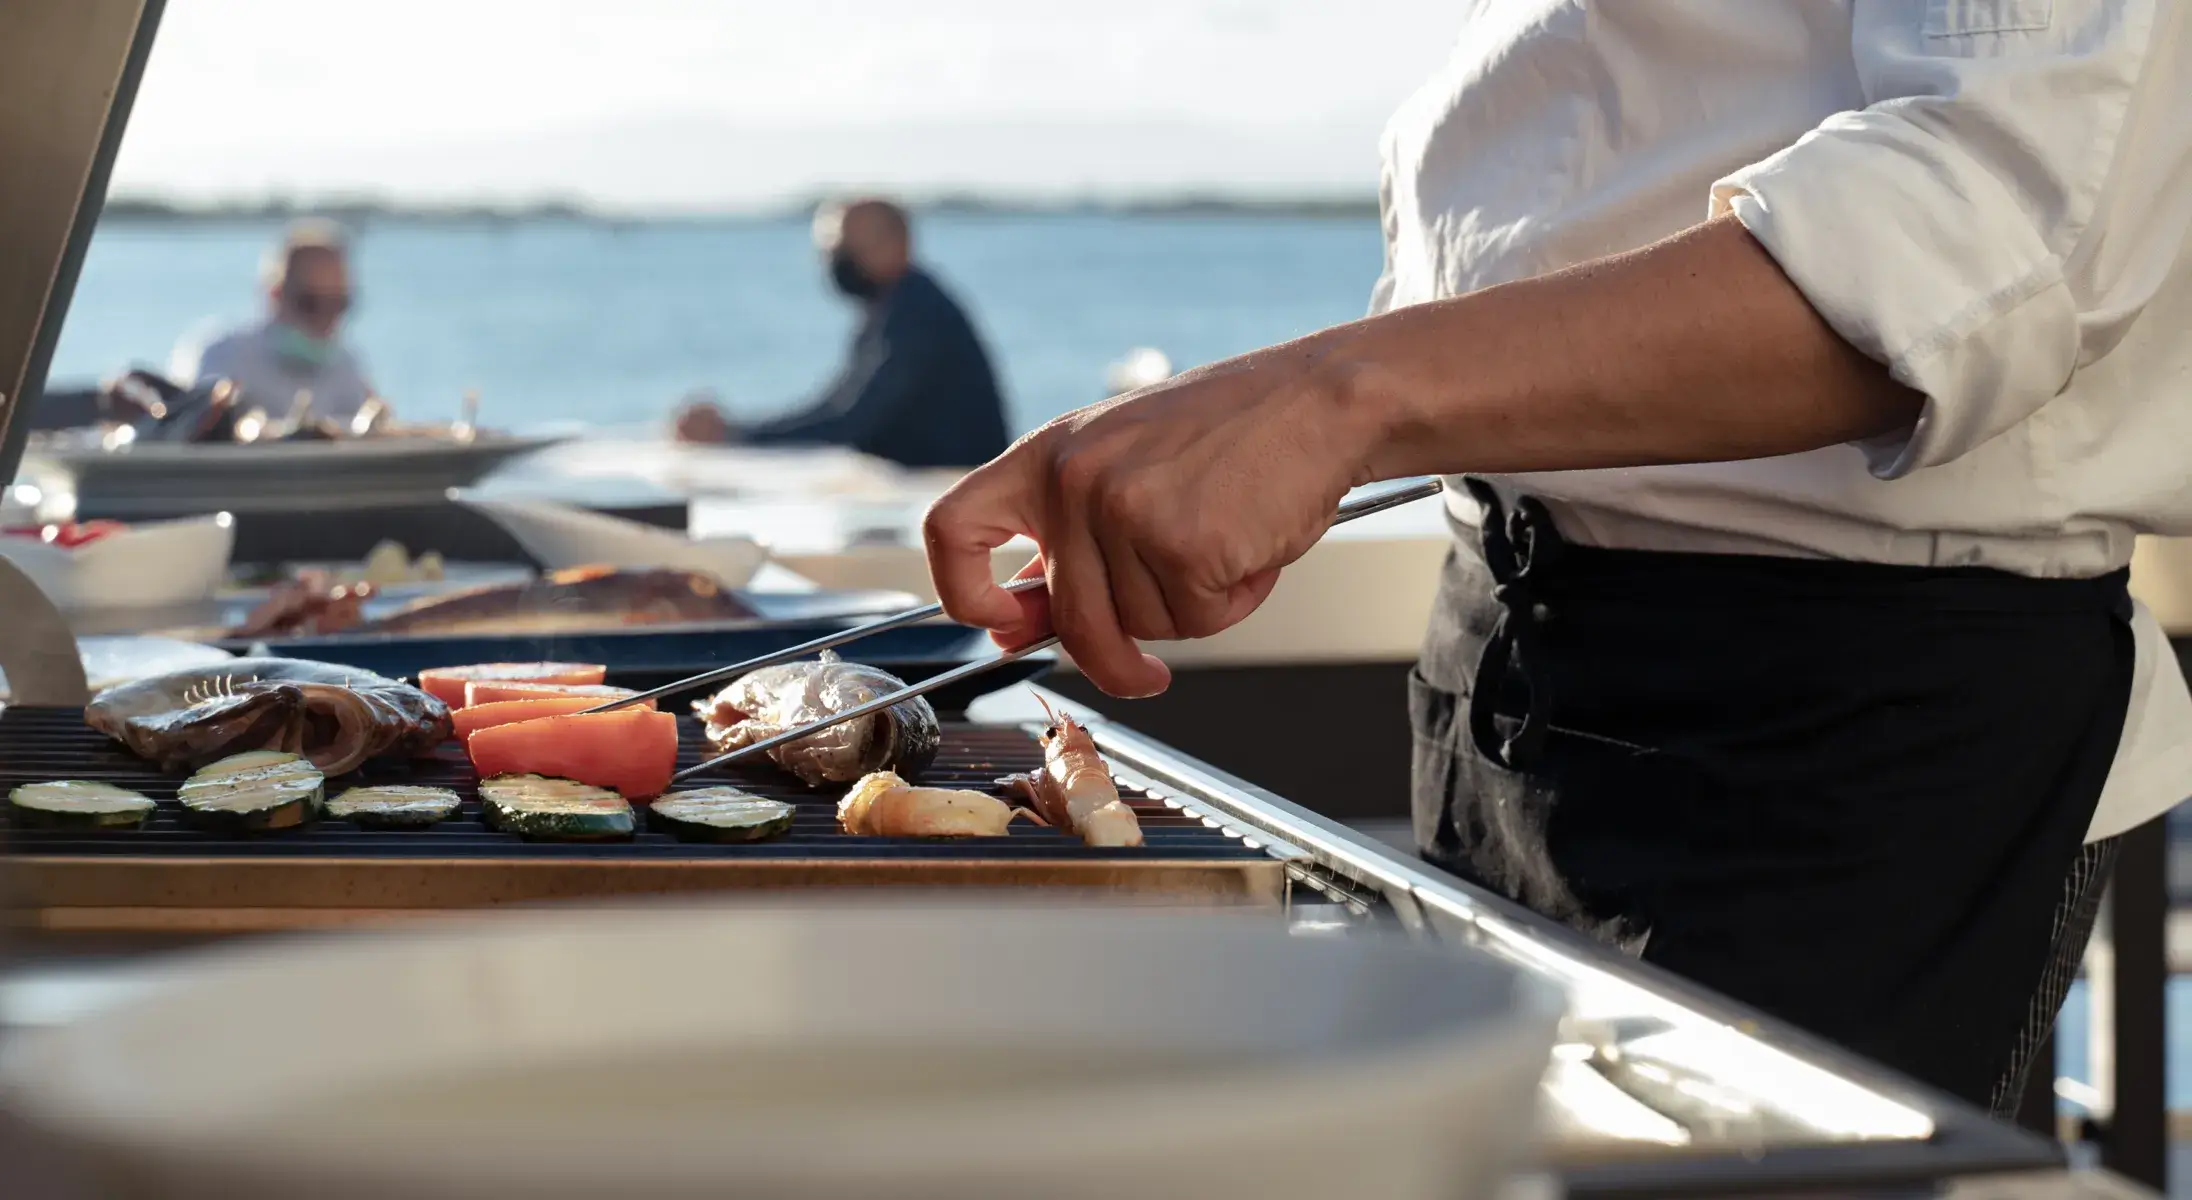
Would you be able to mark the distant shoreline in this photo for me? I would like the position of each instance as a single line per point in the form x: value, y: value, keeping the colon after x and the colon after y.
x: 151, y: 210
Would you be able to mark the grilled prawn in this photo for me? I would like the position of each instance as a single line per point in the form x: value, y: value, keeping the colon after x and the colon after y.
x: 883, y: 805
x: 1074, y: 791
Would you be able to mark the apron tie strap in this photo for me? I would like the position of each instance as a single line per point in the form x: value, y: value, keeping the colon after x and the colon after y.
x: 1519, y: 547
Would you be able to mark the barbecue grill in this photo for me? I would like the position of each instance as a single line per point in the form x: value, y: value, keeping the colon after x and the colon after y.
x: 168, y: 878
x: 1779, y: 1108
x: 1659, y: 1088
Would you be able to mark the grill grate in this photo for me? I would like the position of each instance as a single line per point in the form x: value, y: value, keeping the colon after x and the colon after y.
x: 42, y: 744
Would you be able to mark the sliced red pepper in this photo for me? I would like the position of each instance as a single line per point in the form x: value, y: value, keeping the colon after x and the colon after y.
x: 631, y: 751
x: 446, y: 684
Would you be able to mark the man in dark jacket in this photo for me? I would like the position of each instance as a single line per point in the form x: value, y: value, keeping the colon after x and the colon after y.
x: 917, y: 388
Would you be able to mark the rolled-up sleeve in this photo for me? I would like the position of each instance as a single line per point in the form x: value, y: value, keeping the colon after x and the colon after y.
x: 1989, y: 221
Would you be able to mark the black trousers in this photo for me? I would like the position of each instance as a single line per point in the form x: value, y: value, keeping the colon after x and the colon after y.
x: 1852, y: 796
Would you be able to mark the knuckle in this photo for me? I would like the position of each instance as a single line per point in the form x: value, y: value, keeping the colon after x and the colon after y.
x: 1138, y: 491
x: 1109, y: 508
x: 1174, y: 553
x: 937, y: 524
x: 1076, y: 470
x: 1131, y: 503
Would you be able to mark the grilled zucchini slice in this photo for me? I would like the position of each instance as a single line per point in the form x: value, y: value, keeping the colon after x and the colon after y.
x: 77, y: 804
x: 256, y: 790
x: 719, y: 814
x: 538, y: 808
x: 394, y: 806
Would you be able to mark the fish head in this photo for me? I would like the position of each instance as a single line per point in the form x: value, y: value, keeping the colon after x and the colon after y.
x: 332, y: 714
x: 225, y: 714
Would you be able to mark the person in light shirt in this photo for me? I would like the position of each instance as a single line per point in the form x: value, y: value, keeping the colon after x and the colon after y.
x: 1802, y: 372
x: 297, y: 347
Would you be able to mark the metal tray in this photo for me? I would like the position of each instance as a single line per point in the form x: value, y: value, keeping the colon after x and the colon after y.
x: 148, y: 481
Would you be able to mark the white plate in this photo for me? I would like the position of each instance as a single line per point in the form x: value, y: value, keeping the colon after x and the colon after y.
x: 892, y: 1048
x: 148, y: 479
x: 147, y: 565
x: 110, y: 661
x: 560, y: 536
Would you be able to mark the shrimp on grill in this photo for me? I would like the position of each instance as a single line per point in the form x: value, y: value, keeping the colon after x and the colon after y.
x: 883, y: 805
x: 1074, y: 791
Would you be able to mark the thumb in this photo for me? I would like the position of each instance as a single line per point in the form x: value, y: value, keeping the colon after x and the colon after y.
x: 1033, y: 622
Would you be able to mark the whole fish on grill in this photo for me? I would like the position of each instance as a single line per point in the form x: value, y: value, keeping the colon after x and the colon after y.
x: 571, y: 601
x: 773, y: 700
x: 337, y: 717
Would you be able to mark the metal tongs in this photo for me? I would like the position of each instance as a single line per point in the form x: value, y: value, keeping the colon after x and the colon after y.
x: 1347, y: 512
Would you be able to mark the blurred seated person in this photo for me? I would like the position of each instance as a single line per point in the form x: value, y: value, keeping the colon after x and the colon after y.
x: 916, y: 388
x: 297, y: 347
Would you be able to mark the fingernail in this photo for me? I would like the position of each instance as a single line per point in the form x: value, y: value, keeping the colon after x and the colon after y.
x: 1163, y: 673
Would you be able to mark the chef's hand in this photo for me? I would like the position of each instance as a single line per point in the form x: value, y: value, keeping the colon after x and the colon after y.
x: 1163, y: 514
x: 1168, y: 512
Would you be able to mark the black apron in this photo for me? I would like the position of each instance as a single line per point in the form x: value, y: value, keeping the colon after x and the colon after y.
x: 1846, y: 794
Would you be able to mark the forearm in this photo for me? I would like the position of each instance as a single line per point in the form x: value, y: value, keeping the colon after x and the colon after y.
x: 821, y: 421
x: 807, y: 425
x: 1696, y: 349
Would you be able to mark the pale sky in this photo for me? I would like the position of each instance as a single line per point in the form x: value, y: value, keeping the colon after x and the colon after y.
x: 707, y: 103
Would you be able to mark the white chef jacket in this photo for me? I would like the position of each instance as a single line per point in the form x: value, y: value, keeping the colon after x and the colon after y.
x: 1992, y: 197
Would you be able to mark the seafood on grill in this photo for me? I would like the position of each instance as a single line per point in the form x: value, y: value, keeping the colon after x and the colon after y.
x: 336, y: 717
x: 884, y: 805
x: 313, y: 603
x: 903, y: 738
x: 1074, y: 791
x: 569, y: 601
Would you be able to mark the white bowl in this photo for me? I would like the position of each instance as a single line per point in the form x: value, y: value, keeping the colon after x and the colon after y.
x: 878, y: 1049
x: 148, y: 565
x: 560, y: 536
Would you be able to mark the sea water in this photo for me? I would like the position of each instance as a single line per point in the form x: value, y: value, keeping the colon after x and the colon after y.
x: 563, y: 323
